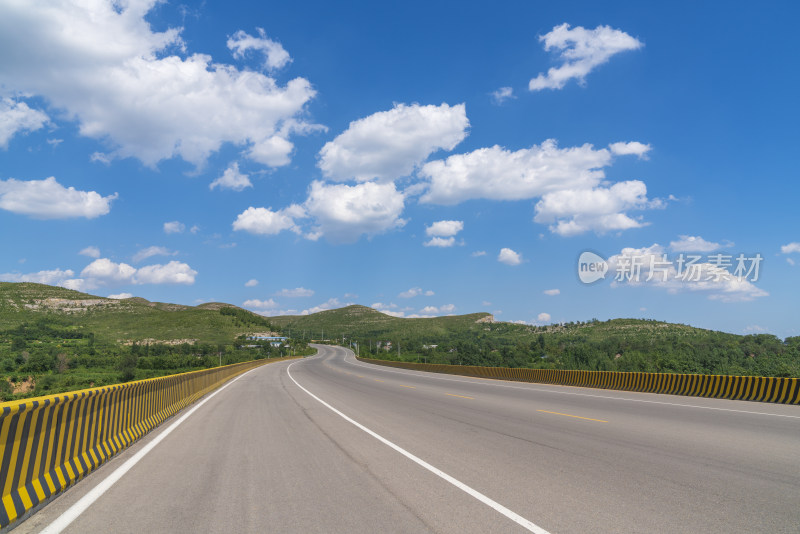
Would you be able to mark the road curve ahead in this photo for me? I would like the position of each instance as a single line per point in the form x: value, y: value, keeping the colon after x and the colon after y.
x: 329, y: 444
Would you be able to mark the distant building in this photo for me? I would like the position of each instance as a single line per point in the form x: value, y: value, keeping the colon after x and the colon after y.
x: 279, y: 339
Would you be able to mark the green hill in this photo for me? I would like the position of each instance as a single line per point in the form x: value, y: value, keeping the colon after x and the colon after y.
x: 121, y: 321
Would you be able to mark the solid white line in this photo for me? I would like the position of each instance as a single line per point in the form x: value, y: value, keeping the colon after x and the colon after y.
x: 74, y: 511
x: 530, y: 526
x: 494, y: 382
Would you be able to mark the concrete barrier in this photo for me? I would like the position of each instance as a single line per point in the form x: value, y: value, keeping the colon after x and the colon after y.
x: 753, y: 388
x: 49, y: 443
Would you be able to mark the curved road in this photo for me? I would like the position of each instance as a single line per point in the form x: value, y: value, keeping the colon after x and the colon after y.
x: 329, y: 444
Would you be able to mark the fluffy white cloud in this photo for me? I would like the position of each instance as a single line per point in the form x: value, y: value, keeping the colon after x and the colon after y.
x: 478, y: 253
x: 343, y: 213
x: 415, y: 292
x: 543, y: 317
x: 295, y: 293
x: 264, y: 221
x: 790, y: 248
x: 232, y: 178
x: 688, y: 243
x: 104, y: 272
x: 581, y: 51
x: 649, y: 266
x: 92, y: 252
x: 152, y: 251
x: 175, y: 272
x: 275, y: 56
x: 251, y: 283
x: 260, y: 304
x: 509, y: 257
x: 139, y: 90
x: 120, y: 296
x: 502, y: 94
x: 434, y: 310
x: 442, y: 242
x: 174, y: 227
x: 633, y: 148
x: 18, y: 117
x: 499, y: 174
x: 52, y: 277
x: 47, y: 199
x: 327, y: 305
x: 602, y: 209
x: 444, y: 228
x: 552, y: 292
x: 390, y: 144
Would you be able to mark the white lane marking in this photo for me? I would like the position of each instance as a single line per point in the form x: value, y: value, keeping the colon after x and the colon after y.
x: 74, y: 511
x: 491, y: 382
x: 530, y: 526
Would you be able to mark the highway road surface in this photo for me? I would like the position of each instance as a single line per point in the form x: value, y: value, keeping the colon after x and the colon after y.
x: 328, y: 444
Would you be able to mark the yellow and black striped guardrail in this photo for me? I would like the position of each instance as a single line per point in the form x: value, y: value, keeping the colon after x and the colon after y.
x: 49, y: 443
x: 753, y: 388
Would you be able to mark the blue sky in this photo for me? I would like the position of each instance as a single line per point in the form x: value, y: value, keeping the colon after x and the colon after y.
x: 417, y: 158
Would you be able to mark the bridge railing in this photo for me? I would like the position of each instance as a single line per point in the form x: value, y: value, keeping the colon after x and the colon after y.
x: 49, y: 443
x: 753, y: 388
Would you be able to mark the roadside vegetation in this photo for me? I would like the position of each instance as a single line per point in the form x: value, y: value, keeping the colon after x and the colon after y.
x: 615, y: 345
x: 54, y: 340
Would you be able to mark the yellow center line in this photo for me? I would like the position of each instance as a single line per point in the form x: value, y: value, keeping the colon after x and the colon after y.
x: 410, y: 387
x: 360, y: 376
x: 575, y: 416
x: 461, y: 396
x: 378, y: 380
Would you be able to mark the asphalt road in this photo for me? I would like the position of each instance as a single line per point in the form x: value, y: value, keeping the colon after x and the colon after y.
x: 279, y: 450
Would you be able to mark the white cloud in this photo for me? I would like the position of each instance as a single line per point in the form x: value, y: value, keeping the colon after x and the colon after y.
x: 92, y: 252
x: 502, y: 94
x: 633, y: 148
x: 174, y: 227
x: 543, y: 317
x: 790, y: 248
x: 149, y: 252
x: 447, y: 308
x: 790, y: 261
x: 194, y: 229
x: 17, y: 117
x: 581, y: 51
x: 687, y: 243
x: 509, y: 257
x: 343, y: 213
x: 264, y: 221
x: 552, y: 292
x: 260, y: 304
x: 275, y: 57
x: 120, y: 296
x: 442, y: 242
x: 175, y: 272
x: 104, y: 272
x: 52, y: 277
x: 602, y: 209
x: 444, y: 228
x: 327, y: 305
x: 499, y: 174
x: 139, y: 90
x: 429, y: 311
x: 415, y: 292
x: 707, y: 277
x: 251, y: 283
x: 391, y: 144
x: 295, y: 293
x: 47, y: 199
x: 232, y: 178
x: 478, y: 253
